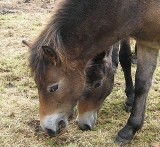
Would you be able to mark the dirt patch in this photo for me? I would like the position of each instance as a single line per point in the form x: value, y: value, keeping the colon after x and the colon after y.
x: 35, y: 125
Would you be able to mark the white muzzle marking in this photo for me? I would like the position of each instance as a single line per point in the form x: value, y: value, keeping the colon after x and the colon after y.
x: 51, y: 121
x: 88, y: 118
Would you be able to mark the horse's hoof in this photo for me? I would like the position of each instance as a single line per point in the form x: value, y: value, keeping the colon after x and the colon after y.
x: 121, y: 141
x: 128, y: 108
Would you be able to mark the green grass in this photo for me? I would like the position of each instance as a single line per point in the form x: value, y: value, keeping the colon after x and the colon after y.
x: 19, y: 103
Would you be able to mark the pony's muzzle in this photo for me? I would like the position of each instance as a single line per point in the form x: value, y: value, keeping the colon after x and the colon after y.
x: 87, y: 121
x: 54, y: 124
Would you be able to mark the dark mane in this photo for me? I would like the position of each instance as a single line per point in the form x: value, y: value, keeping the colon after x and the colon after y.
x: 59, y: 30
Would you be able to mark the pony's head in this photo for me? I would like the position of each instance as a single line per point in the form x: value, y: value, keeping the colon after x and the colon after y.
x: 99, y: 84
x: 59, y: 83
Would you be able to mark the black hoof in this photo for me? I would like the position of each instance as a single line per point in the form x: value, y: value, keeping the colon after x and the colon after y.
x: 125, y: 135
x: 128, y: 108
x: 120, y: 140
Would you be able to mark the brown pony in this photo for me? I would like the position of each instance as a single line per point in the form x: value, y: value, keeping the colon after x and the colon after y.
x: 98, y: 85
x: 76, y: 33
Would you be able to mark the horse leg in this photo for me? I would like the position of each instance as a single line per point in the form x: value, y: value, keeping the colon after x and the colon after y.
x: 147, y: 60
x: 125, y: 61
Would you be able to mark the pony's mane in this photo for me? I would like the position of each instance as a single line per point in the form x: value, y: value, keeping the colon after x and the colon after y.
x: 69, y: 14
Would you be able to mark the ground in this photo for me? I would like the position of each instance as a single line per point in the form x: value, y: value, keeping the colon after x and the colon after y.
x: 19, y: 118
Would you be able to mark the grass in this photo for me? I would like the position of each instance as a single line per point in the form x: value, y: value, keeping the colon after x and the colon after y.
x: 19, y: 123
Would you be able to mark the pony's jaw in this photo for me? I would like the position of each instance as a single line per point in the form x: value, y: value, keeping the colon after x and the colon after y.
x: 87, y: 121
x: 52, y: 124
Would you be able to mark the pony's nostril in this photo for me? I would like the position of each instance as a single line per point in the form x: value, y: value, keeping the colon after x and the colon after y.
x: 51, y: 133
x: 85, y: 127
x: 61, y: 125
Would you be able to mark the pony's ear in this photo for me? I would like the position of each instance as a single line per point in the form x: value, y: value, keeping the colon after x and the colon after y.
x: 49, y: 51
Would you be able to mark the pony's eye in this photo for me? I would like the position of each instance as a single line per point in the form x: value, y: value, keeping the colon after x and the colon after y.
x: 53, y: 88
x: 97, y: 84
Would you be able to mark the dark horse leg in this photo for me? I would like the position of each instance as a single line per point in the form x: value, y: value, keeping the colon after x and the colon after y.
x: 147, y: 60
x: 125, y: 58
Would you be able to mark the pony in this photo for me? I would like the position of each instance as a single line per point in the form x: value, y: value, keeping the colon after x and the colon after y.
x: 98, y: 85
x: 76, y: 33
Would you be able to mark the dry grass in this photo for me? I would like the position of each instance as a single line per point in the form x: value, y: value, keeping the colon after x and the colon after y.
x: 19, y: 121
